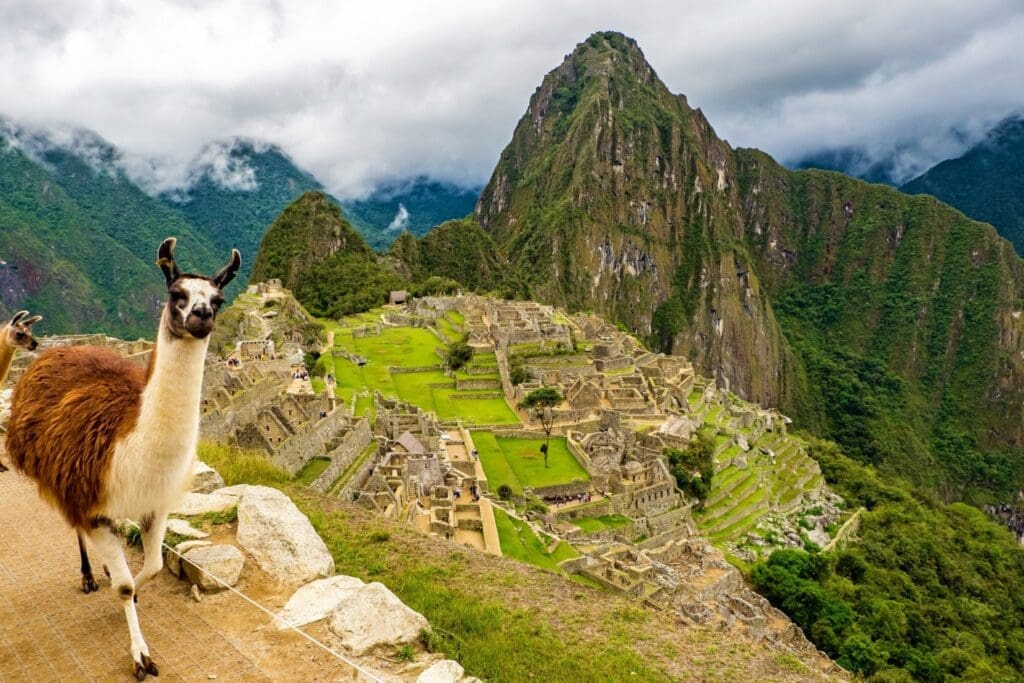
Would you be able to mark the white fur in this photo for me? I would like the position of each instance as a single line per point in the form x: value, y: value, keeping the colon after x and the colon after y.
x: 152, y: 466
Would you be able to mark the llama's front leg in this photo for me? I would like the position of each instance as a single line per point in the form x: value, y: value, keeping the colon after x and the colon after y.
x: 88, y: 582
x: 152, y: 527
x: 108, y: 546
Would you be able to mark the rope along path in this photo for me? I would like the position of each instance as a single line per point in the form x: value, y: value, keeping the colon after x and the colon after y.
x: 372, y: 676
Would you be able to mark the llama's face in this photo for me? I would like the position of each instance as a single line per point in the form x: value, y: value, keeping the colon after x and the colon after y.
x: 193, y: 299
x: 192, y: 306
x: 18, y: 332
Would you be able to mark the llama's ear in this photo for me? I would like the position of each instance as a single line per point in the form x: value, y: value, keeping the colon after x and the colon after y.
x: 227, y: 273
x: 32, y: 321
x: 165, y: 259
x: 18, y: 316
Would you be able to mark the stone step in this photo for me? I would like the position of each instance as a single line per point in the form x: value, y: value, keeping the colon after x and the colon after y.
x: 725, y: 506
x: 757, y: 502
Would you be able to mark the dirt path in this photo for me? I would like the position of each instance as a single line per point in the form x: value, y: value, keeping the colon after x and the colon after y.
x: 50, y: 630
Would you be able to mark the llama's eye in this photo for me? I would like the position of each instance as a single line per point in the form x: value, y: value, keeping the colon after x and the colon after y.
x: 20, y: 335
x: 217, y: 301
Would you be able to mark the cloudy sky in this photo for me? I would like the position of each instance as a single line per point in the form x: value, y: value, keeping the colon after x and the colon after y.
x: 360, y: 92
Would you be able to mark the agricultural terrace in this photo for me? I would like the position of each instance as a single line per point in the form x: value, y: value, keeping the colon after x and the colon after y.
x: 519, y: 462
x: 520, y: 542
x: 392, y: 353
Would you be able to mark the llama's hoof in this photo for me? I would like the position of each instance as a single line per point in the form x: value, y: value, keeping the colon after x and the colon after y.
x: 145, y: 666
x: 106, y: 571
x: 89, y: 584
x: 3, y: 468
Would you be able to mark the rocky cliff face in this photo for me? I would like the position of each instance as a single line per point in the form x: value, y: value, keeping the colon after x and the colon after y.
x: 889, y: 323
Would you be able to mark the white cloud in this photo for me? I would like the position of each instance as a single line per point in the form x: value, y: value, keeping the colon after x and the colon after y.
x: 357, y: 92
x: 401, y: 219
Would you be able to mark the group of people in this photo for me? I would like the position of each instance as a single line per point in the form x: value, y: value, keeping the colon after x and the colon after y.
x: 300, y: 374
x: 474, y: 491
x: 234, y: 362
x: 1010, y: 515
x: 567, y: 499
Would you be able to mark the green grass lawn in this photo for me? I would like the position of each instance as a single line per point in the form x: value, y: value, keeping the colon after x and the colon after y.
x: 311, y: 470
x: 473, y: 411
x: 519, y: 462
x: 601, y: 522
x: 409, y: 347
x: 519, y: 541
x: 404, y: 347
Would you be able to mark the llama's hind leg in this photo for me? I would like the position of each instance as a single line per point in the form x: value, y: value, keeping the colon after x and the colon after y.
x: 108, y: 546
x: 152, y: 527
x: 88, y: 582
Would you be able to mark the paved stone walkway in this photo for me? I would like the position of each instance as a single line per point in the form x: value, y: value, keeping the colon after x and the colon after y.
x: 51, y: 631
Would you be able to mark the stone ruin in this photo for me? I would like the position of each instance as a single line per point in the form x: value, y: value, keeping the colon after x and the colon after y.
x: 425, y: 476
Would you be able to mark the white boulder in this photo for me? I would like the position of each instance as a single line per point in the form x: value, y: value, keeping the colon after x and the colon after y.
x: 279, y: 537
x: 445, y: 671
x: 222, y: 561
x: 316, y: 600
x: 172, y: 560
x: 182, y: 528
x: 372, y: 615
x: 205, y: 479
x: 200, y: 503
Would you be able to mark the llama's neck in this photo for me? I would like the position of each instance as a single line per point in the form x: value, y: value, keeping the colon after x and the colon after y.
x: 6, y: 354
x: 170, y: 401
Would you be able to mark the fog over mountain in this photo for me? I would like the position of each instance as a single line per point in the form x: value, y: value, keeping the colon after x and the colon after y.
x: 358, y: 94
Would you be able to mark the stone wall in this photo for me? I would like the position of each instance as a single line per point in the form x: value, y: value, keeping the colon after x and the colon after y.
x: 352, y: 444
x: 471, y: 384
x: 309, y: 441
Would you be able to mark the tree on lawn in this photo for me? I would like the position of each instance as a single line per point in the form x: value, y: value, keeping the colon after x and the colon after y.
x: 540, y: 402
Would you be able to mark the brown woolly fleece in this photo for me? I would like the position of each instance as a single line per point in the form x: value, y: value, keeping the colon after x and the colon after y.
x: 68, y: 412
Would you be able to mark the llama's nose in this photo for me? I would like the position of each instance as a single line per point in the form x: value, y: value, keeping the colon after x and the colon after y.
x: 203, y: 312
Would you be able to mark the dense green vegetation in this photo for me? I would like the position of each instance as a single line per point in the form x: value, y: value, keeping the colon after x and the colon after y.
x: 694, y: 466
x: 457, y: 250
x: 985, y: 182
x: 57, y: 258
x: 931, y: 590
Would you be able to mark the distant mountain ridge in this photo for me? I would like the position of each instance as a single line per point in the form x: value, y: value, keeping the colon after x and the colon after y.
x: 986, y: 182
x: 415, y: 205
x: 76, y: 230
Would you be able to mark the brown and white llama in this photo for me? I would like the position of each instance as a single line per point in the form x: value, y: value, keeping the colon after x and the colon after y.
x: 16, y: 334
x: 106, y: 439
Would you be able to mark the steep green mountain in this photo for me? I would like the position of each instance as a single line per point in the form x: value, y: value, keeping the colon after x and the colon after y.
x: 317, y: 254
x: 78, y: 239
x: 235, y: 190
x: 415, y: 205
x: 458, y: 249
x: 889, y: 323
x: 986, y: 183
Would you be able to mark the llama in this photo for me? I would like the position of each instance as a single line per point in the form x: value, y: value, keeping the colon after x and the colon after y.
x: 14, y: 335
x: 106, y: 439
